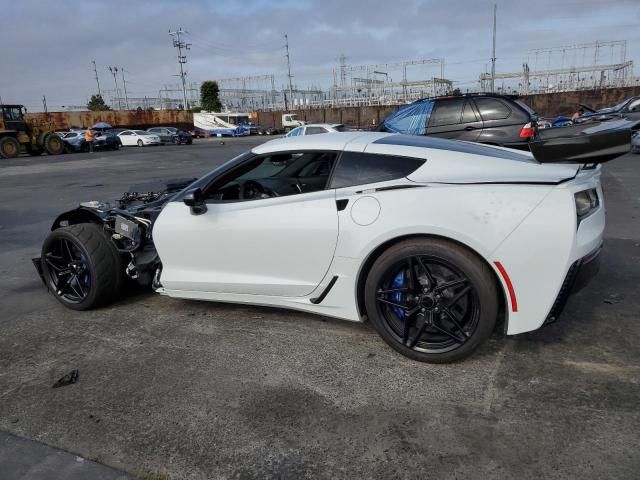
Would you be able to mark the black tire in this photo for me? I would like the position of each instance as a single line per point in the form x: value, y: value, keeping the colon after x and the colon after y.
x: 419, y: 325
x: 53, y: 144
x: 140, y: 143
x: 175, y: 140
x: 9, y: 147
x: 99, y: 263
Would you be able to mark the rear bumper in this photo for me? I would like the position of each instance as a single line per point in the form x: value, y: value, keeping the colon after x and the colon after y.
x: 579, y: 276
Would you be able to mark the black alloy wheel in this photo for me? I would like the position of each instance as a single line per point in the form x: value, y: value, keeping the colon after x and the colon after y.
x: 81, y: 266
x: 68, y: 271
x: 431, y: 300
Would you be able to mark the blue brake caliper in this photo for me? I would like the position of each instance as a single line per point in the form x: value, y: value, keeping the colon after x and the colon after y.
x: 86, y: 278
x: 398, y: 297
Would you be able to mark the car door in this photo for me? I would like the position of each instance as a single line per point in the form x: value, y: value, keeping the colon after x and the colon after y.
x: 502, y: 121
x: 127, y: 138
x: 456, y: 119
x: 270, y: 245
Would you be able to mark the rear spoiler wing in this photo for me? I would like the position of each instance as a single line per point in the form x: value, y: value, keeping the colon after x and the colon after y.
x: 586, y: 143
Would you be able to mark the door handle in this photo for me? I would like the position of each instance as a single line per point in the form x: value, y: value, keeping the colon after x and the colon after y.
x: 469, y: 128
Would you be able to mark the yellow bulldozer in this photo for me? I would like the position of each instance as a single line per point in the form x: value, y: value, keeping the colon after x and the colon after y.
x: 16, y: 133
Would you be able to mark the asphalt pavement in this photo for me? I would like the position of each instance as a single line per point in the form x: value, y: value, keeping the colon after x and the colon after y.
x: 183, y: 389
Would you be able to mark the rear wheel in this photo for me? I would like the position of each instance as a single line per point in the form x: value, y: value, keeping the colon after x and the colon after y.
x: 53, y: 144
x: 431, y: 300
x: 80, y: 267
x: 9, y: 147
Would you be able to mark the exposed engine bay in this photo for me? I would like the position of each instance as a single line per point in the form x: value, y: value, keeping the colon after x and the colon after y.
x: 128, y: 222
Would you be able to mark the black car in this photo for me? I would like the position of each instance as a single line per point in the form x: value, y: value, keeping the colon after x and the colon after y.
x: 628, y: 108
x: 172, y: 135
x: 483, y: 118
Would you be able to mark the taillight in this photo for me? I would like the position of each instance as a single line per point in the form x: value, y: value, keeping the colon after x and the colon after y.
x: 527, y: 132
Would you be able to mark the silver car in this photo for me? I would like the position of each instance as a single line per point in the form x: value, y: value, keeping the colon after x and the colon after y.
x: 635, y: 142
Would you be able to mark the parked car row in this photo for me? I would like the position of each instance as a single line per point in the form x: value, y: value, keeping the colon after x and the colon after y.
x: 114, y: 138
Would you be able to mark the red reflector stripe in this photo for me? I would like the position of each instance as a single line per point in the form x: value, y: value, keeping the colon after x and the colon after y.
x: 507, y: 280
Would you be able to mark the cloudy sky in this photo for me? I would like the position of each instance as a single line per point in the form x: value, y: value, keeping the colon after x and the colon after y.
x: 49, y: 45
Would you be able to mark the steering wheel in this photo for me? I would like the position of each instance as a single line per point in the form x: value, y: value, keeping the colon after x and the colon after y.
x: 252, y: 189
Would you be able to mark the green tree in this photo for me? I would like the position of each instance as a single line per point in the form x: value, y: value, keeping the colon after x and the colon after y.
x: 96, y: 104
x: 209, y: 96
x: 456, y: 92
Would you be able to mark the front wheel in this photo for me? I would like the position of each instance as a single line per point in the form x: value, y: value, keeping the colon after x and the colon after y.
x: 431, y: 300
x: 53, y: 144
x: 80, y: 267
x: 140, y: 143
x: 9, y: 147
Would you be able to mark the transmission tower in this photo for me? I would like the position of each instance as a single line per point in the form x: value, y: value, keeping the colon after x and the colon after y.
x: 114, y: 72
x: 182, y: 59
x: 286, y: 46
x: 95, y: 70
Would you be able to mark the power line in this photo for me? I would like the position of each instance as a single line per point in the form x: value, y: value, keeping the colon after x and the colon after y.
x: 182, y: 59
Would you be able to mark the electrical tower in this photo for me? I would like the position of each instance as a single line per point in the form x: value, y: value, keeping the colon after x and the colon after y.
x: 124, y: 83
x: 493, y: 57
x: 114, y: 72
x: 95, y: 70
x: 286, y: 46
x: 182, y: 59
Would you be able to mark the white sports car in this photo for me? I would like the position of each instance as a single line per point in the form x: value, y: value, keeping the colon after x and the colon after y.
x: 436, y: 242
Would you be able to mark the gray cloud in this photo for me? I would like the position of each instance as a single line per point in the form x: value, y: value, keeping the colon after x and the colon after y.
x: 53, y: 43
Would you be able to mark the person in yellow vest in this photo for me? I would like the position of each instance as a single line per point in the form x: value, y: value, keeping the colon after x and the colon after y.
x: 88, y: 136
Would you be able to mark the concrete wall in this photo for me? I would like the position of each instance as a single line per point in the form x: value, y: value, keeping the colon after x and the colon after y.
x: 547, y: 104
x: 128, y: 119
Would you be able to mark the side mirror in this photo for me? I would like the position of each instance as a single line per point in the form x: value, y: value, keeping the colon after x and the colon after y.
x: 195, y: 201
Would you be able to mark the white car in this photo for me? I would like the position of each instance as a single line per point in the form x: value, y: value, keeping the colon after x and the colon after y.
x: 140, y: 138
x: 316, y: 128
x: 436, y: 242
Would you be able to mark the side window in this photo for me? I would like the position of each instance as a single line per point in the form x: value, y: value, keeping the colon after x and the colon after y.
x: 125, y: 133
x: 447, y: 112
x: 492, y: 109
x: 274, y: 175
x: 314, y: 130
x: 469, y: 114
x: 634, y: 106
x: 357, y: 168
x: 295, y: 132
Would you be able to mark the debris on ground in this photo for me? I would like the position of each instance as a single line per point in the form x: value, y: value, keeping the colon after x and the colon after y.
x: 68, y: 379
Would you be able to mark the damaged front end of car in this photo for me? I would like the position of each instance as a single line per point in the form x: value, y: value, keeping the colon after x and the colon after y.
x: 128, y: 224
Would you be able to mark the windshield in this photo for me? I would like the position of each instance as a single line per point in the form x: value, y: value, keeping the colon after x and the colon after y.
x: 614, y: 108
x: 340, y: 128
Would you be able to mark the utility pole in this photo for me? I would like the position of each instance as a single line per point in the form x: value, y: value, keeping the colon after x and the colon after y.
x: 493, y: 57
x: 114, y: 72
x: 182, y: 59
x: 286, y: 46
x: 124, y: 82
x: 95, y: 70
x: 44, y: 104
